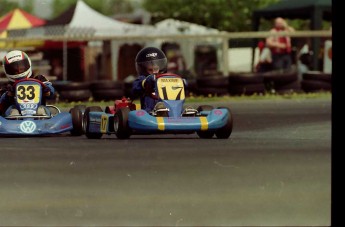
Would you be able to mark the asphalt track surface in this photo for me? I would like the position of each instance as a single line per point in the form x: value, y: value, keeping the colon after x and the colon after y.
x: 275, y: 170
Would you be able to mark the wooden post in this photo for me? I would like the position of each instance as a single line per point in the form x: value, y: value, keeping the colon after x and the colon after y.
x: 225, y: 56
x: 64, y: 60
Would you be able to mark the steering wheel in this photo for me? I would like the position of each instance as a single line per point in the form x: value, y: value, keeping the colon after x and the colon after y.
x: 30, y: 79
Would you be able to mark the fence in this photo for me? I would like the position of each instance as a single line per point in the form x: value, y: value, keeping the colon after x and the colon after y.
x: 66, y: 34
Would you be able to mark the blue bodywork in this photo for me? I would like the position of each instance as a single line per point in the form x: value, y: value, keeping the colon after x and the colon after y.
x: 60, y: 123
x: 28, y: 93
x: 142, y: 122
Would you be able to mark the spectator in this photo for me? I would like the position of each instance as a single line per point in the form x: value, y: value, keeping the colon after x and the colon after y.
x: 265, y: 58
x: 280, y: 46
x: 57, y: 69
x: 176, y: 63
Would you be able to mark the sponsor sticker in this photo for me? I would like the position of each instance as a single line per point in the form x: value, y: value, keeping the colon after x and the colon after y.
x: 27, y: 126
x: 28, y: 106
x: 104, y: 123
x: 169, y: 80
x: 151, y: 55
x: 218, y: 112
x: 28, y: 112
x: 140, y: 113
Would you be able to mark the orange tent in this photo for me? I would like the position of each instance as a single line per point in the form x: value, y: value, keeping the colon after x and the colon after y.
x: 18, y: 19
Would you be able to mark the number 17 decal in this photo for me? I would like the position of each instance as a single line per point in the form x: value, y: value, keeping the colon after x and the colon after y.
x: 104, y: 123
x: 170, y: 89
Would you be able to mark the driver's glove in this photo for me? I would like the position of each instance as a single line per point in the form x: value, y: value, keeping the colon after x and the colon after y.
x: 149, y: 82
x: 10, y: 90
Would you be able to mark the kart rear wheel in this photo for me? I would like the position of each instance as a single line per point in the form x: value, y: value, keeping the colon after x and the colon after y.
x: 121, y: 128
x: 77, y: 122
x: 225, y: 131
x: 86, y: 124
x: 81, y: 108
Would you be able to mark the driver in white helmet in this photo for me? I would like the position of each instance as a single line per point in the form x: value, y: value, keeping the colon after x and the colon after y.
x: 17, y: 66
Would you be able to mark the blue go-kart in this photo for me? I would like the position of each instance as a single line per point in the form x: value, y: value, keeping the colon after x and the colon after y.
x: 33, y: 118
x: 124, y: 120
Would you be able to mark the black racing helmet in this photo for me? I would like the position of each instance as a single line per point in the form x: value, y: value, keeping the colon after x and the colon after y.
x: 150, y: 56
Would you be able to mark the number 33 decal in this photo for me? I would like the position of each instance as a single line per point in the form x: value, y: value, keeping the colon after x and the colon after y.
x: 26, y: 92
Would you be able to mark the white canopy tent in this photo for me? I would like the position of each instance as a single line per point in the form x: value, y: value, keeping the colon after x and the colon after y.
x: 84, y: 16
x: 82, y: 20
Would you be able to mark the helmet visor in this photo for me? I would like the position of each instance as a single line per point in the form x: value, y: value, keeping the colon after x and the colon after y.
x: 154, y: 66
x: 17, y: 67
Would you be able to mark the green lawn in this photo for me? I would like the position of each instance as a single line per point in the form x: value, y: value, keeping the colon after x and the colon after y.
x: 197, y: 99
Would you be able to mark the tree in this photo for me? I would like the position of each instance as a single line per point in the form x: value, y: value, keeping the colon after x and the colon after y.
x: 226, y: 15
x: 28, y: 6
x: 7, y: 6
x: 106, y: 7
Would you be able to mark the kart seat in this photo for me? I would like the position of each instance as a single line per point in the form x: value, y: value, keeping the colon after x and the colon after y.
x: 53, y: 110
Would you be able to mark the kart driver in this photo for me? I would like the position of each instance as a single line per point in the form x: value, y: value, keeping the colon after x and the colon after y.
x: 149, y: 62
x: 17, y: 66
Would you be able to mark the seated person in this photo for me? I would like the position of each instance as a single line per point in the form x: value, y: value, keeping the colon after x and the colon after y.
x: 17, y: 66
x: 149, y: 62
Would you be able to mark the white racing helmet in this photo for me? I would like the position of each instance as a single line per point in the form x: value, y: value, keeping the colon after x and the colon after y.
x: 17, y: 65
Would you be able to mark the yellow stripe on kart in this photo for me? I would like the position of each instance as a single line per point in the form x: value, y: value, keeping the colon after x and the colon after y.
x: 160, y: 122
x: 104, y: 123
x: 204, y: 123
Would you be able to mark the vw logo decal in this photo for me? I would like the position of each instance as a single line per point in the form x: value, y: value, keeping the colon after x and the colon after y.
x: 27, y: 126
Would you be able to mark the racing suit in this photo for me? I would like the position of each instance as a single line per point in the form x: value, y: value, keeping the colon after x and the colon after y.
x: 7, y: 98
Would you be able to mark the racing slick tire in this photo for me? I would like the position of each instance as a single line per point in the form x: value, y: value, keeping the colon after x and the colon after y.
x: 205, y: 134
x: 225, y: 131
x: 81, y: 108
x: 86, y: 122
x: 74, y: 96
x: 247, y: 89
x: 245, y: 78
x: 77, y: 122
x: 121, y: 128
x: 317, y: 75
x: 315, y: 86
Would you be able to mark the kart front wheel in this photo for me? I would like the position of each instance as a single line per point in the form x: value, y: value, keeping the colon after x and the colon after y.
x: 205, y: 134
x: 121, y: 128
x: 225, y: 131
x: 77, y: 122
x: 86, y: 124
